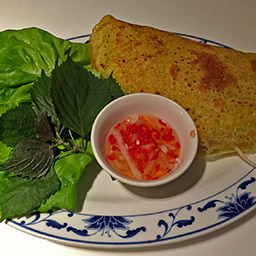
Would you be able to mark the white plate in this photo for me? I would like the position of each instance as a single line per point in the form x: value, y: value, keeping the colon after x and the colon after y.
x: 209, y: 196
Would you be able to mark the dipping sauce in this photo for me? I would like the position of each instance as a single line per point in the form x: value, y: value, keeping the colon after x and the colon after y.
x: 143, y: 147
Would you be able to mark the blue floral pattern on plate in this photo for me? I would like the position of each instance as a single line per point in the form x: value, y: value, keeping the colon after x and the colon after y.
x: 235, y: 204
x: 168, y: 225
x: 171, y: 224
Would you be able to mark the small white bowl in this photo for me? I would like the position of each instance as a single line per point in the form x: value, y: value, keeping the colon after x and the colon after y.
x: 151, y: 104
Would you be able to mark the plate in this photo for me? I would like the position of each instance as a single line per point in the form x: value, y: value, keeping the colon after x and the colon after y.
x: 209, y: 196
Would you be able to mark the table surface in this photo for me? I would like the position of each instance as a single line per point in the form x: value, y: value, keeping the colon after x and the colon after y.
x: 228, y: 22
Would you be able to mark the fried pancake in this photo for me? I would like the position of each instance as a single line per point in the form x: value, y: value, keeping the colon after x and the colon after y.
x: 216, y: 86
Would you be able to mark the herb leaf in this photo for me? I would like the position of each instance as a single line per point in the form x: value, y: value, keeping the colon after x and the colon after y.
x: 40, y: 94
x: 78, y: 96
x: 30, y: 158
x: 44, y: 129
x: 17, y: 123
x: 19, y: 197
x: 113, y: 87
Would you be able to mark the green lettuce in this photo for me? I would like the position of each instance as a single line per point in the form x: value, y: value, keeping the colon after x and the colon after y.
x: 69, y: 169
x: 4, y: 153
x: 24, y: 54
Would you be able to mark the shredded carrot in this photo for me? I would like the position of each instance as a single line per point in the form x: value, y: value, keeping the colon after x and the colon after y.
x: 160, y: 173
x: 147, y: 118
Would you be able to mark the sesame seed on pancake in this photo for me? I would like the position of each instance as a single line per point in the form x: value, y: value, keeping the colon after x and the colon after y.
x: 216, y: 86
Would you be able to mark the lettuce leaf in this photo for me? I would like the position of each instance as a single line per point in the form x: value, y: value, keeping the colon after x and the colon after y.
x: 24, y: 54
x: 68, y: 168
x: 11, y: 98
x: 4, y: 153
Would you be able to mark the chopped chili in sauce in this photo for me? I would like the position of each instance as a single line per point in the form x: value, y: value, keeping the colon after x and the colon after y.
x: 143, y: 147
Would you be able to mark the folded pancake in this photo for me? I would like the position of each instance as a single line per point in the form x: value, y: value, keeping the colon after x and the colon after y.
x: 217, y: 86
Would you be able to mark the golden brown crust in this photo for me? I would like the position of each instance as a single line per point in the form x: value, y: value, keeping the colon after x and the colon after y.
x: 217, y: 86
